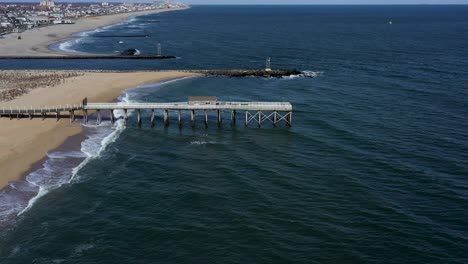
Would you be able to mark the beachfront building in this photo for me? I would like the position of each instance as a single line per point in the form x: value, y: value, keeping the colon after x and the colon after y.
x: 6, y: 24
x: 19, y: 17
x: 47, y: 3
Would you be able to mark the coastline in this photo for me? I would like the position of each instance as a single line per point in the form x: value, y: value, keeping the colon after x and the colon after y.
x: 29, y: 147
x: 36, y: 41
x: 33, y: 139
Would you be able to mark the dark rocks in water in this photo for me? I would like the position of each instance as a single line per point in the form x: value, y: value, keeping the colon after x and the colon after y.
x: 130, y: 52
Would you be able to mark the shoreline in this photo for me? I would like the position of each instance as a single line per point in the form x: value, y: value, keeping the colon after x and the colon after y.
x: 29, y: 159
x: 35, y: 138
x: 38, y: 41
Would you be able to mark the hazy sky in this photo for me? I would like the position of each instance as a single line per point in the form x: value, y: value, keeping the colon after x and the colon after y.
x: 326, y: 1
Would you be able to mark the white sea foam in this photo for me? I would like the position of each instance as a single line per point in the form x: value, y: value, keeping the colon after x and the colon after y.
x: 201, y: 142
x: 304, y: 74
x: 63, y: 167
x: 67, y: 46
x: 57, y: 172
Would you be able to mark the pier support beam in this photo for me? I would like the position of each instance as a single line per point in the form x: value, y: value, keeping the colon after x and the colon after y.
x: 233, y: 117
x: 259, y: 118
x: 275, y: 118
x: 166, y: 118
x: 193, y: 118
x: 57, y: 114
x: 246, y: 118
x: 206, y: 118
x: 220, y: 118
x: 125, y: 115
x: 152, y: 117
x: 98, y: 118
x: 139, y: 117
x: 30, y: 116
x: 72, y: 116
x: 180, y: 118
x: 112, y: 116
x: 85, y: 116
x: 43, y: 115
x: 290, y: 119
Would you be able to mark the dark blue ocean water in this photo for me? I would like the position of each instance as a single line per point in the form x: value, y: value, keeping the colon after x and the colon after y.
x: 373, y: 170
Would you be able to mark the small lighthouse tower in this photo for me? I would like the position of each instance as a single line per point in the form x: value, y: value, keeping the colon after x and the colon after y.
x: 159, y: 50
x: 268, y: 65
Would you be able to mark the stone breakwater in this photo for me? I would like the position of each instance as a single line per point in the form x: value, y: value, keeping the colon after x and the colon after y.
x: 247, y: 73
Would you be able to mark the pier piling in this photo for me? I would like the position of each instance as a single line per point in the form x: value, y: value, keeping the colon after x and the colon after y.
x: 233, y: 117
x: 112, y: 116
x: 259, y: 119
x: 275, y: 117
x: 166, y: 118
x: 139, y: 117
x: 193, y: 118
x: 220, y: 118
x: 206, y: 118
x: 85, y: 116
x: 246, y: 118
x: 180, y: 119
x: 98, y: 119
x: 152, y: 117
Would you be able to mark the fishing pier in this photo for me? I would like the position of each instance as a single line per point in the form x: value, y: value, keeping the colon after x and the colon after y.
x: 253, y: 112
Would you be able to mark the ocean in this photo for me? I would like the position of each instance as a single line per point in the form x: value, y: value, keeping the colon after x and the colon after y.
x: 373, y: 170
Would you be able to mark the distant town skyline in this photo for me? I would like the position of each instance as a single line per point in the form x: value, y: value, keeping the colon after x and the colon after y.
x: 323, y: 2
x: 276, y: 2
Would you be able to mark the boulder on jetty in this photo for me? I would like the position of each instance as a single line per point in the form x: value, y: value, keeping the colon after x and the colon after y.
x: 130, y: 52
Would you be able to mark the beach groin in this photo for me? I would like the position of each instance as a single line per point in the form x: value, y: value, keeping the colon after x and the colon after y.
x: 87, y: 57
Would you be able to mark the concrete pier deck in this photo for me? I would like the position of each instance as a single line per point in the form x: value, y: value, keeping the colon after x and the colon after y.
x: 246, y: 106
x: 257, y: 112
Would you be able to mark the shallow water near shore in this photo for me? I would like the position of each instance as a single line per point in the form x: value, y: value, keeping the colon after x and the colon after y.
x: 373, y: 169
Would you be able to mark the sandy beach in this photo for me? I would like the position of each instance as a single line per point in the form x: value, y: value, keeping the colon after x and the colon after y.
x: 24, y: 142
x: 35, y: 42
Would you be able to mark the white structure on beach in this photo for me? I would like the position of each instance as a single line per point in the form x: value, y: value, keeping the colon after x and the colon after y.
x: 268, y: 65
x: 47, y: 3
